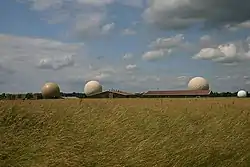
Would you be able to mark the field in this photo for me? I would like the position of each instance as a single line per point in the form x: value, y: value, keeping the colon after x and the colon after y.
x: 125, y: 132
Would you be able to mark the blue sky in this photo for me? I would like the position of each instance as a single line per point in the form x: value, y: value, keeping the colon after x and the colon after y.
x: 131, y: 45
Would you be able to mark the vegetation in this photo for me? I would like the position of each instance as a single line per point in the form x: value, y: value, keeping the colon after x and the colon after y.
x: 38, y: 96
x: 125, y: 132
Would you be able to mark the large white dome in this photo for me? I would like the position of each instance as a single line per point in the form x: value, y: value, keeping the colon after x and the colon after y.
x: 198, y: 83
x: 242, y: 93
x: 51, y: 90
x: 92, y: 87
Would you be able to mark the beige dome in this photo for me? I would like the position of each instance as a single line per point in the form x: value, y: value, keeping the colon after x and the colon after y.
x: 92, y: 87
x: 198, y: 83
x: 51, y: 90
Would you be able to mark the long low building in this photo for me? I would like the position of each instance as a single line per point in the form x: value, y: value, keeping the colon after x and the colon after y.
x: 177, y: 93
x: 152, y: 94
x: 112, y: 94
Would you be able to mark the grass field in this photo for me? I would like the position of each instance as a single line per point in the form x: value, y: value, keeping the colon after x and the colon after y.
x: 125, y: 132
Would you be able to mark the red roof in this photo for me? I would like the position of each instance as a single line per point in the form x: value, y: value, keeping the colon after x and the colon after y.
x: 179, y: 92
x: 113, y: 91
x: 119, y: 92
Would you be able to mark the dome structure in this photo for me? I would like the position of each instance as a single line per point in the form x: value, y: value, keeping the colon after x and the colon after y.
x: 92, y: 87
x: 198, y: 83
x: 242, y: 93
x: 51, y: 90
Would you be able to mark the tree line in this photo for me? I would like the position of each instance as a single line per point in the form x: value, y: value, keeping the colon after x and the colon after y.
x: 35, y: 96
x: 9, y: 96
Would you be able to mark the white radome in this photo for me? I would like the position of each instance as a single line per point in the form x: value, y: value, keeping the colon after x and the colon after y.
x: 198, y: 83
x: 242, y: 93
x: 92, y: 87
x: 50, y: 90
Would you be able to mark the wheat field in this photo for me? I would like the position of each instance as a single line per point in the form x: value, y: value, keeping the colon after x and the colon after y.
x: 125, y: 132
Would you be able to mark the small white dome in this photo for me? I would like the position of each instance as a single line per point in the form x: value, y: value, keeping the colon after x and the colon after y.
x: 198, y: 83
x: 92, y: 87
x: 242, y: 93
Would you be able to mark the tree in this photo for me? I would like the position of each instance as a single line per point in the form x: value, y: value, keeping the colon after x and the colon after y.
x: 29, y: 96
x: 19, y: 96
x: 3, y: 96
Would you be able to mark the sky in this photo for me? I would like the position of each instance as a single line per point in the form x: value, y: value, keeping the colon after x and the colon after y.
x: 131, y: 45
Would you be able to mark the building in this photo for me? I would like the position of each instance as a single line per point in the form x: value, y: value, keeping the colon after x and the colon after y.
x: 177, y: 93
x: 112, y: 94
x: 70, y: 97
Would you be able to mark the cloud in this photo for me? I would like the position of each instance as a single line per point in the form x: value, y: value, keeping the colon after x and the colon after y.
x: 47, y: 4
x: 128, y: 31
x: 205, y: 38
x: 236, y: 27
x: 69, y: 65
x: 92, y: 24
x: 179, y: 14
x: 162, y: 47
x: 32, y: 50
x: 171, y: 42
x: 245, y: 24
x: 56, y: 64
x: 131, y: 66
x: 24, y: 57
x: 41, y: 5
x: 107, y: 28
x: 128, y: 56
x: 95, y: 2
x: 86, y: 18
x: 229, y: 53
x: 156, y: 54
x: 46, y: 60
x: 206, y: 41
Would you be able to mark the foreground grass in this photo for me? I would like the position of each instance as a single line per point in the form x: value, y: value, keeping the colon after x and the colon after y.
x: 128, y: 132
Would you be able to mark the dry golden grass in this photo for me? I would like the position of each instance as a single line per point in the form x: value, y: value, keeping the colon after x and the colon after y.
x: 125, y: 132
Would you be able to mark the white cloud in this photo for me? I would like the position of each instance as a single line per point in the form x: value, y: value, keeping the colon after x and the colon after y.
x: 91, y: 24
x: 156, y: 54
x: 171, y: 42
x: 205, y: 38
x: 65, y: 63
x: 86, y: 18
x: 209, y: 53
x: 23, y: 57
x: 236, y: 27
x: 230, y: 53
x: 162, y: 47
x: 107, y: 28
x: 56, y: 64
x: 207, y: 41
x: 131, y: 66
x: 32, y: 50
x: 245, y: 24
